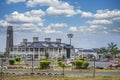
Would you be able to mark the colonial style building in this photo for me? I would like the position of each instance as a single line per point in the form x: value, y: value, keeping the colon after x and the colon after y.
x: 38, y: 49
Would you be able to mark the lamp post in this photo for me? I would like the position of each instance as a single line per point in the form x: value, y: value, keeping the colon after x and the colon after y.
x: 94, y: 68
x: 63, y: 65
x: 32, y: 65
x: 70, y: 36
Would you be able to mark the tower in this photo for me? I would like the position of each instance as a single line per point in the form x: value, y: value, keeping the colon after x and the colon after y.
x: 9, y: 41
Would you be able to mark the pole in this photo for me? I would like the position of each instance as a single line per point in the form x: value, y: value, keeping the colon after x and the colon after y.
x: 32, y: 65
x: 94, y: 68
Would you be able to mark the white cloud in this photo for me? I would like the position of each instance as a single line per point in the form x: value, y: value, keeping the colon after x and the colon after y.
x: 58, y: 25
x: 25, y: 22
x: 58, y: 12
x: 4, y: 23
x: 116, y: 30
x: 14, y: 1
x: 31, y: 16
x: 49, y: 29
x: 92, y: 29
x: 86, y: 14
x: 100, y: 22
x: 73, y: 28
x: 102, y: 14
x: 55, y: 7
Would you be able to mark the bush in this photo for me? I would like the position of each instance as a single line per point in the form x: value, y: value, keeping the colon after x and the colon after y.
x: 11, y: 61
x: 81, y: 59
x: 61, y: 64
x: 85, y: 65
x: 78, y: 64
x: 81, y: 64
x: 45, y: 64
x: 17, y: 59
x: 59, y: 59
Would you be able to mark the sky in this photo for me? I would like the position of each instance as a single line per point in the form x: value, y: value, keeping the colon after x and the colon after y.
x: 94, y: 23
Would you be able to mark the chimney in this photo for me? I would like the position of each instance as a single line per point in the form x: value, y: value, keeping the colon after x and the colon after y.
x: 47, y: 39
x: 35, y: 39
x: 58, y: 40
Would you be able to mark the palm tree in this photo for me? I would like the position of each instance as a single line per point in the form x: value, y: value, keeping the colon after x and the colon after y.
x: 113, y: 49
x: 103, y: 51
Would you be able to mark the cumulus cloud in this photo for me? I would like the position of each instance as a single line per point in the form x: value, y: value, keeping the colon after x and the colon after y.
x: 58, y: 25
x: 55, y: 28
x: 92, y: 29
x: 55, y: 7
x: 116, y: 30
x: 73, y: 29
x: 25, y: 22
x: 86, y: 14
x: 29, y: 16
x: 102, y: 14
x: 14, y: 1
x: 100, y: 22
x: 50, y: 29
x: 58, y: 12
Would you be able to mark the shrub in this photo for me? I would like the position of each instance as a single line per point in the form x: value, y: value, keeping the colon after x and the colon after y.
x: 59, y: 59
x: 44, y: 64
x: 17, y: 59
x: 78, y: 64
x: 61, y: 64
x: 85, y: 65
x: 11, y: 61
x: 81, y: 59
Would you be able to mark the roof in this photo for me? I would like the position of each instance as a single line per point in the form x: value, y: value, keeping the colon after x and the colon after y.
x: 41, y: 44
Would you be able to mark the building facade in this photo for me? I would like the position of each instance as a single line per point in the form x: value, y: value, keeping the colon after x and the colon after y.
x: 38, y: 49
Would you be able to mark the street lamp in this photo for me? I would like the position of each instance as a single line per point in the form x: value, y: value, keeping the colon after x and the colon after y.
x: 70, y: 35
x: 32, y: 65
x: 94, y: 68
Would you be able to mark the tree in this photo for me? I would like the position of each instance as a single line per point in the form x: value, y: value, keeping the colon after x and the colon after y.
x: 112, y: 48
x: 103, y: 51
x: 47, y: 55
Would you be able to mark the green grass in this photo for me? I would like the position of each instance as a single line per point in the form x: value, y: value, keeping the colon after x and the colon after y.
x: 66, y: 77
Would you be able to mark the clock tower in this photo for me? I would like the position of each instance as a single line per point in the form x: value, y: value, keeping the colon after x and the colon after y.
x: 9, y: 40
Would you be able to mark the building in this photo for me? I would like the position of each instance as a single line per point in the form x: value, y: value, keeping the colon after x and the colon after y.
x: 37, y: 49
x: 86, y: 53
x: 9, y: 40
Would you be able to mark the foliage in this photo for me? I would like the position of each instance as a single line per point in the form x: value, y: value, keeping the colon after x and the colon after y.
x: 17, y: 59
x: 59, y: 59
x: 78, y: 64
x: 44, y: 64
x: 1, y: 55
x: 81, y: 64
x: 61, y: 64
x: 112, y: 48
x: 11, y: 61
x: 47, y: 55
x: 81, y: 59
x: 103, y: 50
x: 85, y: 65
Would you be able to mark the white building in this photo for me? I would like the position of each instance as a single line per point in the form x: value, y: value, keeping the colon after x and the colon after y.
x: 37, y: 49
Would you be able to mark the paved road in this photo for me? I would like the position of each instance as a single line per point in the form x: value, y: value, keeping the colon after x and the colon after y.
x: 60, y: 72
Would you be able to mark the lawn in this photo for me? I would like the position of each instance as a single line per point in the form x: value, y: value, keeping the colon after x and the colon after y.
x: 60, y: 77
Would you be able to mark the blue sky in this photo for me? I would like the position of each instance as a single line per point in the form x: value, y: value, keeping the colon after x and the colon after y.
x: 94, y: 23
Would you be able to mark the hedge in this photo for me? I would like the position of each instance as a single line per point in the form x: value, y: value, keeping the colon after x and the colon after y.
x: 81, y: 64
x: 11, y: 61
x: 45, y: 64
